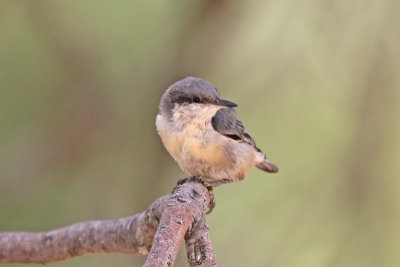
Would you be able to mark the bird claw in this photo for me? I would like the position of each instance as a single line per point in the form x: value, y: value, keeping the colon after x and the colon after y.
x: 211, y: 204
x: 197, y: 179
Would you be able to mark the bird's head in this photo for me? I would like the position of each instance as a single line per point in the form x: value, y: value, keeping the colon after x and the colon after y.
x: 195, y: 93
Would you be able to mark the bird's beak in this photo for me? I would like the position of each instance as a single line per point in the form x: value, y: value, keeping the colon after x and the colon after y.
x: 225, y: 103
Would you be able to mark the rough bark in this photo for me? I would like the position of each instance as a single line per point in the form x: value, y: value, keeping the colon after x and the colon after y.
x: 185, y: 214
x: 198, y: 246
x: 168, y: 220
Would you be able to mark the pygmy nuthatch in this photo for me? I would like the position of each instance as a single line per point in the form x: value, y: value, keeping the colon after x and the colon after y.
x: 201, y: 132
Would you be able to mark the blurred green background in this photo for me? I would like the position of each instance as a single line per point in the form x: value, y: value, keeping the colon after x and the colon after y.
x: 318, y: 85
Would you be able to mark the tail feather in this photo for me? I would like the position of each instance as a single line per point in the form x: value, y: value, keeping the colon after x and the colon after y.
x: 267, y: 166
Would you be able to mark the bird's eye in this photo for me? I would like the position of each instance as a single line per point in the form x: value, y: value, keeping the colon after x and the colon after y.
x: 196, y: 99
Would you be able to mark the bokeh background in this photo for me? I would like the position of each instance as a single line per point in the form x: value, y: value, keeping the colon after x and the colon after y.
x: 318, y: 85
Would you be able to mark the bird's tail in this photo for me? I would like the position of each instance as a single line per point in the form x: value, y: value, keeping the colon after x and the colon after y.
x: 267, y: 166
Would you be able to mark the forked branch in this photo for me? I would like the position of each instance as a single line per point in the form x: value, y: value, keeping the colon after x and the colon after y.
x: 158, y: 232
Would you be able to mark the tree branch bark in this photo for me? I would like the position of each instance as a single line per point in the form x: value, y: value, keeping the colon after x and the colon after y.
x: 160, y: 229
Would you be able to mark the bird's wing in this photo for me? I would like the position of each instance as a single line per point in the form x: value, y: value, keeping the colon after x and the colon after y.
x: 225, y: 123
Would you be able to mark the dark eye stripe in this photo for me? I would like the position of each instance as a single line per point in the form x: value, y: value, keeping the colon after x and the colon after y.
x: 182, y: 99
x: 185, y: 99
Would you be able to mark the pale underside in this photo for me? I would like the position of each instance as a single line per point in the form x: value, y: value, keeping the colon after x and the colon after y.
x: 200, y: 150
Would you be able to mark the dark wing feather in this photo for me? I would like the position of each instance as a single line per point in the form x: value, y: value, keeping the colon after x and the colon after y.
x: 225, y: 122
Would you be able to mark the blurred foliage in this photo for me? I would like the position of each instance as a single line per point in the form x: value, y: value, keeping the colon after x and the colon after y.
x: 318, y: 86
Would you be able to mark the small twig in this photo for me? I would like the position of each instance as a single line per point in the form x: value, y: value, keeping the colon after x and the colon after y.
x: 176, y: 216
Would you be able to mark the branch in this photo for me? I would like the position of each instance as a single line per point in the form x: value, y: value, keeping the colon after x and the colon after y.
x: 185, y: 214
x: 168, y: 220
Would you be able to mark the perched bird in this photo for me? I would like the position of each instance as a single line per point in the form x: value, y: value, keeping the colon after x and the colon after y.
x: 201, y: 132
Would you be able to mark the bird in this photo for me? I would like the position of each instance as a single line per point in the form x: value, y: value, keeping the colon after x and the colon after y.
x: 201, y: 132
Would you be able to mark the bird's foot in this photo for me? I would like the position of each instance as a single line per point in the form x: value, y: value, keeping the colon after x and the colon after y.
x: 211, y: 204
x: 195, y: 178
x: 198, y: 179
